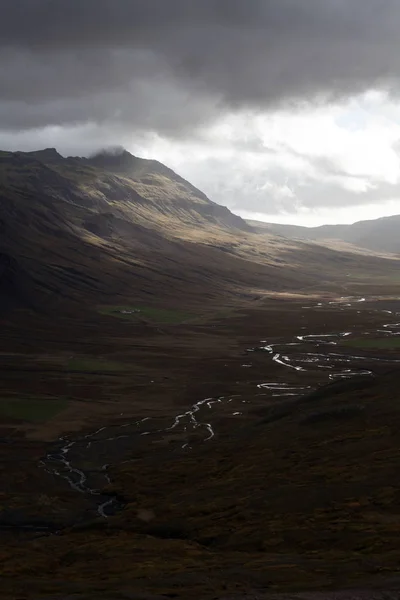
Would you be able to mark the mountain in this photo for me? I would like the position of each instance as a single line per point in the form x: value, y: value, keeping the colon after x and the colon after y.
x: 158, y: 357
x: 113, y: 229
x: 380, y: 235
x: 109, y: 224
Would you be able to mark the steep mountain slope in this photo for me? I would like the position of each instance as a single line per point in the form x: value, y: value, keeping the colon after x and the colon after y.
x: 115, y: 228
x: 381, y: 235
x: 112, y: 224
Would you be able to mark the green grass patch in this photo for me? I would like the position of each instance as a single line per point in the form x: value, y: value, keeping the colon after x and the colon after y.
x: 384, y: 343
x: 135, y: 313
x: 83, y: 364
x: 34, y: 410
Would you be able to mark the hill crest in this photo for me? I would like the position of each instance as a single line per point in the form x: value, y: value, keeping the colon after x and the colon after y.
x: 378, y: 235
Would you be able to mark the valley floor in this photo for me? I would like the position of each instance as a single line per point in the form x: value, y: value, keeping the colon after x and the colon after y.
x: 219, y: 470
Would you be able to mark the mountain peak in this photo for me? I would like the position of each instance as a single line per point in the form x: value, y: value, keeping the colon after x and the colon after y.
x: 47, y: 154
x: 111, y: 151
x: 115, y: 158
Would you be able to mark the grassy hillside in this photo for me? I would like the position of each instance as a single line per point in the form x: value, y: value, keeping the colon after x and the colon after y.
x: 76, y: 229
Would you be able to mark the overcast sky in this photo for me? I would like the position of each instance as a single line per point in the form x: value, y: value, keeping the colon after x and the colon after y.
x: 281, y: 109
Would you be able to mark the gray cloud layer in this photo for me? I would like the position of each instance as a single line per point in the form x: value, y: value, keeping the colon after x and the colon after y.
x: 172, y: 65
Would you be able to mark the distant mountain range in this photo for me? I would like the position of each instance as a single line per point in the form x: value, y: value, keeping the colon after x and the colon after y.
x: 379, y: 235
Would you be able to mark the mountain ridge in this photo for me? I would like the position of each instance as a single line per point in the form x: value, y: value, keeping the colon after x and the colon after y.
x: 120, y: 229
x: 73, y: 229
x: 380, y: 235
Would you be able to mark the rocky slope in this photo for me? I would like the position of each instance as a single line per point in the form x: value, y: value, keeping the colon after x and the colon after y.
x: 113, y: 224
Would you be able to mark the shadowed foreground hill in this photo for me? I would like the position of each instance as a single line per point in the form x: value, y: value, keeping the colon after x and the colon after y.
x: 306, y: 496
x: 330, y: 489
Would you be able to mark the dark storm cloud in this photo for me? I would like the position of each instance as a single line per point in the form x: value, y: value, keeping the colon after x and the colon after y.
x: 171, y: 65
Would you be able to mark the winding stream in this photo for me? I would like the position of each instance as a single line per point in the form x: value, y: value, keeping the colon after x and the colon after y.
x: 306, y: 354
